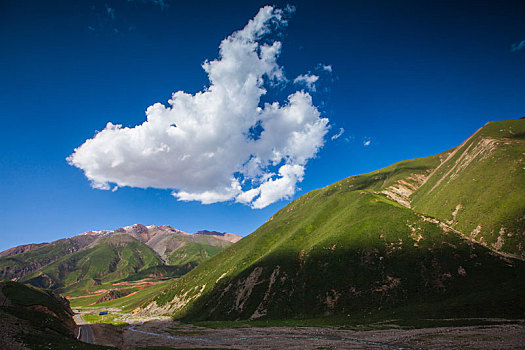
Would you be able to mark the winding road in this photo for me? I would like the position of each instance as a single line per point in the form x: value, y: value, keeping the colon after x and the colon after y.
x: 85, y: 333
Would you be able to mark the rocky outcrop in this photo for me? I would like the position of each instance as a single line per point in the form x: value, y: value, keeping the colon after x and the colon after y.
x: 230, y: 237
x: 403, y: 189
x: 112, y: 295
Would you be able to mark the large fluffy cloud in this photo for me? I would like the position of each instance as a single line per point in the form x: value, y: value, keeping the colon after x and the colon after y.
x: 219, y: 144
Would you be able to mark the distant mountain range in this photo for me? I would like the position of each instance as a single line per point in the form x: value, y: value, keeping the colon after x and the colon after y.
x: 430, y: 237
x: 91, y: 258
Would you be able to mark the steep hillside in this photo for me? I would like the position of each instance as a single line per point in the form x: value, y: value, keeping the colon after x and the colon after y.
x: 357, y: 247
x: 36, y: 319
x: 479, y: 188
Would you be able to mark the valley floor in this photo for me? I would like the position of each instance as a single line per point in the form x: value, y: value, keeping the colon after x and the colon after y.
x: 176, y: 335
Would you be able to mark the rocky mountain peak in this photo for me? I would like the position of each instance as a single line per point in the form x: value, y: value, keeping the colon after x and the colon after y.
x: 230, y: 237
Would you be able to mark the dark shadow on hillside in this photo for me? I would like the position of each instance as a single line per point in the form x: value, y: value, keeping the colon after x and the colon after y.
x: 370, y: 285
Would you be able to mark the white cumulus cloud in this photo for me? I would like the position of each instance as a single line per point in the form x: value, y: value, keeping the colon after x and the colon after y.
x: 308, y: 80
x: 222, y: 143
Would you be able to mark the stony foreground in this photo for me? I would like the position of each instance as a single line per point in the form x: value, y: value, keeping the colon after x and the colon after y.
x: 173, y: 334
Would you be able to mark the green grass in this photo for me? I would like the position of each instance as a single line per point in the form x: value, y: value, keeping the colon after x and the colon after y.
x: 83, y: 302
x: 131, y: 302
x: 162, y: 271
x: 109, y: 318
x: 193, y: 253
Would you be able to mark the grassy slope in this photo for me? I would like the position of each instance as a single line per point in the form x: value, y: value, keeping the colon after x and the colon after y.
x: 346, y: 248
x: 164, y: 271
x: 128, y: 303
x: 111, y: 259
x: 342, y: 259
x: 490, y: 189
x: 193, y: 253
x: 26, y: 295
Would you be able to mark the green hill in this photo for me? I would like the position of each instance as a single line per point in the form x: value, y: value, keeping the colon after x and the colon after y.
x: 378, y: 243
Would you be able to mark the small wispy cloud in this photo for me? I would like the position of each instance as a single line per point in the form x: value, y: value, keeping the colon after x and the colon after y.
x: 161, y: 3
x: 326, y: 67
x: 518, y: 46
x: 366, y: 141
x: 110, y: 12
x: 336, y: 136
x: 308, y: 80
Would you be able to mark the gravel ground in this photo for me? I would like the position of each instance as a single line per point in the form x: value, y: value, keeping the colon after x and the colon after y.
x: 173, y: 334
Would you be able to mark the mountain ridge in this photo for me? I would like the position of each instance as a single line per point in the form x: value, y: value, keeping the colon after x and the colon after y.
x: 22, y: 248
x: 48, y: 265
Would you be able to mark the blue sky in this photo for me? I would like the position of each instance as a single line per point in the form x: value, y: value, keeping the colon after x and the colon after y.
x: 409, y: 79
